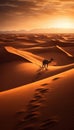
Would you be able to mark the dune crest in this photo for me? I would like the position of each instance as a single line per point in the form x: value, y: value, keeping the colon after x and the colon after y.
x: 27, y: 55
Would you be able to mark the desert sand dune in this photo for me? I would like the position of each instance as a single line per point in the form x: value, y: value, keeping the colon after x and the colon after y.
x: 16, y: 74
x: 68, y: 54
x: 41, y: 105
x: 5, y: 56
x: 19, y: 73
x: 45, y: 49
x: 38, y: 59
x: 24, y: 72
x: 70, y: 50
x: 60, y: 58
x: 27, y: 55
x: 33, y: 97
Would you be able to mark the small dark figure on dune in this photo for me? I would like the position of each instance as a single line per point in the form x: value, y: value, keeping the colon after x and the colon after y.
x: 46, y: 62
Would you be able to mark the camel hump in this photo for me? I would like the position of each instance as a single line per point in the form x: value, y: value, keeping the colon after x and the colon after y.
x: 45, y: 61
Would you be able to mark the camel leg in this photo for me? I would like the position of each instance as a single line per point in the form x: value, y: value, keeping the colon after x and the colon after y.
x: 42, y: 66
x: 47, y: 65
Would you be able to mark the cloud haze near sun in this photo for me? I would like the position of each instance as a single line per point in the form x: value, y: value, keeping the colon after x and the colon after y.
x: 30, y: 14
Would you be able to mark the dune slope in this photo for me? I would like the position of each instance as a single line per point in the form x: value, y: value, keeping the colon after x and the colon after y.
x: 43, y: 105
x: 20, y: 72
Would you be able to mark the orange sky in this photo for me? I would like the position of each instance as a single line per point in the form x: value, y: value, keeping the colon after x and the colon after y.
x: 30, y: 14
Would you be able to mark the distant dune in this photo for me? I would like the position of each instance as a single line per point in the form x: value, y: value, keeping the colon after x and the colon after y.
x: 40, y: 30
x: 59, y: 57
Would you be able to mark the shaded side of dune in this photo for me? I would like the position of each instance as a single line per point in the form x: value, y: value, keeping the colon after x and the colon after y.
x: 47, y: 52
x: 8, y: 57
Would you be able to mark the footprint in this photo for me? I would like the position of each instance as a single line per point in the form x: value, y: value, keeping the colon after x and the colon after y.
x: 41, y: 91
x: 33, y: 100
x: 38, y: 96
x: 56, y: 78
x: 31, y: 114
x: 33, y: 106
x: 42, y: 88
x: 47, y: 124
x: 37, y: 100
x: 32, y: 117
x: 44, y: 84
x: 38, y: 89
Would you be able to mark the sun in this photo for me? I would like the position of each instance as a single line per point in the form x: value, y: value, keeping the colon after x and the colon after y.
x: 63, y: 23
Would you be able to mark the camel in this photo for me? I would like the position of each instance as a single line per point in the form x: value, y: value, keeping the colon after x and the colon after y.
x: 46, y: 62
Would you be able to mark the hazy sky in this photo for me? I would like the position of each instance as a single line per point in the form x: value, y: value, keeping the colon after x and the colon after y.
x: 29, y: 14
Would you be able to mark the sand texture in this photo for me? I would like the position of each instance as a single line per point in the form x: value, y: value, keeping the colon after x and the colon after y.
x: 34, y: 97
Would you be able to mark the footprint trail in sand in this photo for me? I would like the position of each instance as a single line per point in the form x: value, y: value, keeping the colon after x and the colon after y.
x: 31, y: 119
